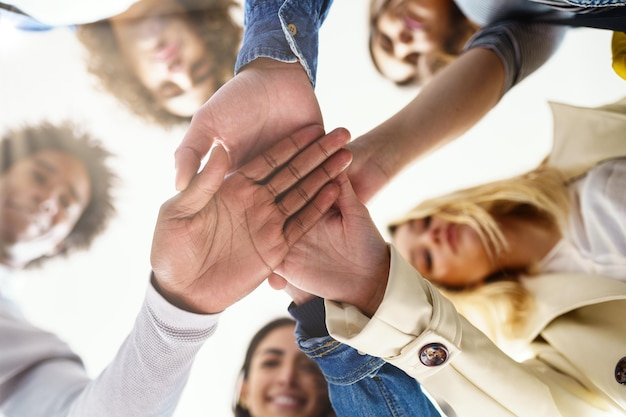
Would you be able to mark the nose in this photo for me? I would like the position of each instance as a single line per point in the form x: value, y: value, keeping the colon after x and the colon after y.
x: 431, y: 237
x: 405, y: 36
x: 288, y: 374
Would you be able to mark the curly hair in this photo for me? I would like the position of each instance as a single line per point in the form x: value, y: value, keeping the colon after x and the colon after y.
x: 65, y: 137
x: 259, y: 336
x: 461, y: 29
x: 214, y: 22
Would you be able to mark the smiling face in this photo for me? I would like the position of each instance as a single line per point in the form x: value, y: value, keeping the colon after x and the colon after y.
x: 167, y: 54
x: 282, y: 380
x: 407, y: 33
x: 450, y: 254
x: 42, y: 196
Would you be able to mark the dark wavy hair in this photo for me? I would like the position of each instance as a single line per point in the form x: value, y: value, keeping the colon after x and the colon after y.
x: 65, y: 137
x: 461, y: 29
x: 213, y: 21
x: 256, y: 340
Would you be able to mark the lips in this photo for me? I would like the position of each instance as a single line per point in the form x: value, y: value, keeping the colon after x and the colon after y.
x: 287, y: 401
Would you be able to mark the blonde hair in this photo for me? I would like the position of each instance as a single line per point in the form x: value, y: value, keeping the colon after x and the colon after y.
x: 541, y: 195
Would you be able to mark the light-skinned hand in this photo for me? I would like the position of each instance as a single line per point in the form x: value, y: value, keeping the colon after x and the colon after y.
x: 342, y: 258
x: 215, y: 242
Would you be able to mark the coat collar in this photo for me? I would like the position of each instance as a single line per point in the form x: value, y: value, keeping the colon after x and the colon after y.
x: 585, y: 136
x: 558, y: 294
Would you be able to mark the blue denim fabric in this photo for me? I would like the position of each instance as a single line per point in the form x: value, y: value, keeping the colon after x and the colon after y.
x: 363, y: 385
x: 23, y: 22
x: 595, y: 3
x: 266, y: 32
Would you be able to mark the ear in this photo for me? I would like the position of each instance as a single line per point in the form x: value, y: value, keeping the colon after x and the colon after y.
x: 243, y: 395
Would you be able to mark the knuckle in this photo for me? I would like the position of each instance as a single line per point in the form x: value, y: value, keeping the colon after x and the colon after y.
x: 270, y: 159
x: 294, y: 171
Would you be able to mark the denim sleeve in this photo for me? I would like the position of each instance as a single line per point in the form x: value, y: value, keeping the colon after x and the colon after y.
x: 358, y: 384
x: 284, y: 30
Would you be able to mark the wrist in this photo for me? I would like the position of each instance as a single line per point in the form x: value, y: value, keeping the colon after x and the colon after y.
x: 376, y: 286
x: 175, y: 299
x: 371, y: 287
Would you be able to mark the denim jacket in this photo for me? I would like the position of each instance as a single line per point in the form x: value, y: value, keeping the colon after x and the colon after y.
x: 287, y: 31
x: 358, y: 384
x: 290, y: 38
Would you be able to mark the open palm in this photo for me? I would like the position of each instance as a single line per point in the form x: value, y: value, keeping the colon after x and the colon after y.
x: 343, y: 257
x: 214, y: 244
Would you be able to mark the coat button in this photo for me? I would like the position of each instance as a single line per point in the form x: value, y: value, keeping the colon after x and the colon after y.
x: 292, y: 28
x: 620, y: 371
x: 433, y: 354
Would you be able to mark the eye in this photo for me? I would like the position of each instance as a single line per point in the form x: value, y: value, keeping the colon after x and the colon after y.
x: 201, y: 70
x: 270, y: 363
x: 64, y: 201
x: 39, y: 177
x: 309, y: 366
x: 420, y: 225
x: 385, y: 43
x: 428, y: 261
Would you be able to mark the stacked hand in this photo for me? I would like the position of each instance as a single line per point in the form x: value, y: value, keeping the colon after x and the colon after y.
x: 266, y: 101
x: 215, y: 242
x: 342, y: 258
x: 212, y: 248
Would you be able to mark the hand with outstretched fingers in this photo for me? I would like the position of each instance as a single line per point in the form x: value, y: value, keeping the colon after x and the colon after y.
x: 342, y: 258
x: 217, y: 240
x: 266, y: 101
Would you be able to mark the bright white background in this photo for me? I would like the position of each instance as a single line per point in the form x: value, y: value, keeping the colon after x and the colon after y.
x: 91, y: 300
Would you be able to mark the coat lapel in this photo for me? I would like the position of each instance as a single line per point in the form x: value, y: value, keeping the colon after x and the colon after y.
x: 585, y: 136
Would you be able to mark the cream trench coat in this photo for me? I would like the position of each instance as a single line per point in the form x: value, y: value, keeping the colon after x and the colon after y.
x: 577, y: 332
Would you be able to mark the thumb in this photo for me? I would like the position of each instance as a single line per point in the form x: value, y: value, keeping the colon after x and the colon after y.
x: 347, y: 201
x: 276, y: 281
x: 195, y: 145
x: 206, y: 183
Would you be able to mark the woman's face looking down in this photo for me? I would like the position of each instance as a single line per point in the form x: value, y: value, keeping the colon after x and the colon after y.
x: 449, y: 254
x: 406, y: 32
x: 167, y: 54
x: 282, y: 380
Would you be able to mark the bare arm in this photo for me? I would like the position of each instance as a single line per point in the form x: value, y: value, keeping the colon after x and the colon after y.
x: 456, y: 99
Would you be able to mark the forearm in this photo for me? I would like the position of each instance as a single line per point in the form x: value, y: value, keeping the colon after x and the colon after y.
x: 145, y: 378
x: 456, y: 99
x: 151, y: 368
